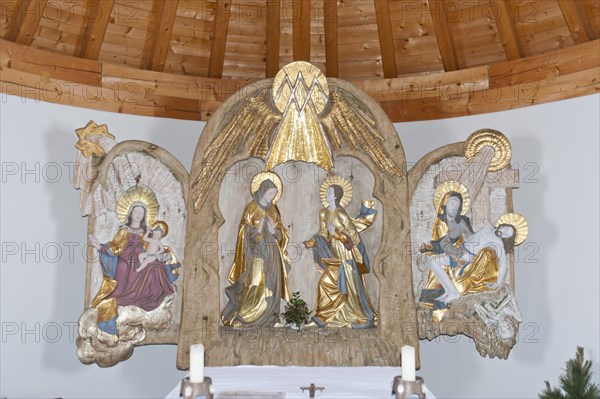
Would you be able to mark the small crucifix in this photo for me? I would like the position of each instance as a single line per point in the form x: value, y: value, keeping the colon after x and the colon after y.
x: 311, y: 389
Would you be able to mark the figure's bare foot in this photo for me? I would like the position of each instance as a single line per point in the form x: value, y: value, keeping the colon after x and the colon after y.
x: 442, y: 298
x: 446, y: 298
x: 452, y: 298
x: 368, y: 324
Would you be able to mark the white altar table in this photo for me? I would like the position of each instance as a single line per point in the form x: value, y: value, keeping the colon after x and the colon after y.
x: 339, y: 382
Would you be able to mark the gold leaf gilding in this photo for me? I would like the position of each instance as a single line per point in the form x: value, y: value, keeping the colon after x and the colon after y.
x: 89, y: 147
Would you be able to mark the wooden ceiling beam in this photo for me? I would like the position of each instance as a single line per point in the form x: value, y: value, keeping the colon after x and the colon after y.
x: 218, y: 39
x: 273, y: 32
x: 42, y: 75
x: 505, y: 22
x: 162, y: 35
x: 579, y: 25
x: 95, y: 30
x: 386, y: 38
x: 301, y: 30
x: 26, y: 21
x: 442, y: 34
x: 330, y: 20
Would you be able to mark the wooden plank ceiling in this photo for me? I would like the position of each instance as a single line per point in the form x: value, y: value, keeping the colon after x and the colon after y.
x: 161, y: 50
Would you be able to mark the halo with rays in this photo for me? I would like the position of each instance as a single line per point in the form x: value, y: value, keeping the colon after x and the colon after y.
x: 262, y: 176
x: 447, y: 187
x: 163, y: 226
x: 490, y: 138
x: 138, y: 195
x: 518, y: 222
x: 340, y: 181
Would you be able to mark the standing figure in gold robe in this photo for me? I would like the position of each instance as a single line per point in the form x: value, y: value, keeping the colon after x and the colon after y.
x: 342, y: 297
x: 463, y: 262
x: 258, y: 275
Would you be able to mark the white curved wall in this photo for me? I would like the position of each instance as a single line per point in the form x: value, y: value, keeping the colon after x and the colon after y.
x: 556, y: 146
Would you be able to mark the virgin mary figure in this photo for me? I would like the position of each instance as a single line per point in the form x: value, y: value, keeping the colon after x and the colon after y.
x: 258, y: 275
x: 122, y: 284
x: 342, y: 297
x: 464, y: 262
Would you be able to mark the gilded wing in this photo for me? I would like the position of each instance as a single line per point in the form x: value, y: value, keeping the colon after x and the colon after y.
x: 346, y: 121
x: 255, y: 116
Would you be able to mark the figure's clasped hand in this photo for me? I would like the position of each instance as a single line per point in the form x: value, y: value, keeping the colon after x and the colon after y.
x: 340, y: 237
x: 270, y: 225
x: 331, y: 228
x: 261, y: 223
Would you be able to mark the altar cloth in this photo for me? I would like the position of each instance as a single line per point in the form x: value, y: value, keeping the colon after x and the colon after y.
x: 339, y: 382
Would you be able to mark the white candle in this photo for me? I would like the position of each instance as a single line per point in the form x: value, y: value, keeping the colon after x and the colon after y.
x: 408, y: 363
x: 197, y: 363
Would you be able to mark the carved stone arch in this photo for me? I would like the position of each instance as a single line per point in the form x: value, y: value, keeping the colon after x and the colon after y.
x: 397, y: 323
x: 164, y: 156
x: 416, y: 172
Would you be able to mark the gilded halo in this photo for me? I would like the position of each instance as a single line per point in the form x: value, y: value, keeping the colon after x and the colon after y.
x: 163, y: 226
x: 518, y: 222
x: 138, y: 195
x: 340, y: 181
x: 262, y: 176
x: 450, y: 186
x: 489, y: 138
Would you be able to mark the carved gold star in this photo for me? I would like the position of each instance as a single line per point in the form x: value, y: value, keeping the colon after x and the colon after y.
x: 89, y: 147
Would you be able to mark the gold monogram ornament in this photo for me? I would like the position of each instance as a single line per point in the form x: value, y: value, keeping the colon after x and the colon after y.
x: 300, y: 93
x: 301, y: 116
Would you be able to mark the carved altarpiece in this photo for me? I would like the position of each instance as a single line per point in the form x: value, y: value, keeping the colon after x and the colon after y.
x: 312, y: 347
x: 316, y: 127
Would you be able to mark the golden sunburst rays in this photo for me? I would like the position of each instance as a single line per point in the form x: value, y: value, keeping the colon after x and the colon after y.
x: 300, y: 92
x: 518, y: 222
x: 340, y: 181
x: 298, y: 118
